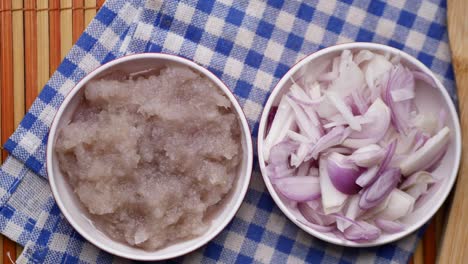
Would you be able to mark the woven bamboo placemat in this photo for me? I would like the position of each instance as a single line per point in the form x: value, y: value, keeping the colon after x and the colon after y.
x: 35, y: 35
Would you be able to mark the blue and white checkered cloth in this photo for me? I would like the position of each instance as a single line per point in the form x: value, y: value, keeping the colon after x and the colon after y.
x: 249, y: 45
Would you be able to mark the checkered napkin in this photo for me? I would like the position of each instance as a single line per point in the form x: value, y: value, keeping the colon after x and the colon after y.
x: 248, y: 44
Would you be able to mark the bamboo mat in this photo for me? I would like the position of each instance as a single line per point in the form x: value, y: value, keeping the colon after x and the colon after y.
x: 35, y: 35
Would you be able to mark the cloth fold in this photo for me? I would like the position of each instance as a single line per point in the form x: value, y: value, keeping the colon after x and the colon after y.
x: 250, y: 45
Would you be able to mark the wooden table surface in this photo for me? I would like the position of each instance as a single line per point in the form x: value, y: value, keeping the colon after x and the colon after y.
x: 35, y: 35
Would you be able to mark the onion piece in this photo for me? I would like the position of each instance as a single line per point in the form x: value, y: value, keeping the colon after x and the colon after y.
x: 402, y: 95
x: 389, y: 227
x: 368, y: 176
x: 303, y: 121
x: 344, y: 110
x: 417, y: 190
x: 379, y: 113
x: 315, y: 91
x: 332, y: 138
x: 362, y: 56
x: 399, y: 78
x: 282, y: 123
x: 299, y: 138
x: 373, y: 71
x: 278, y: 165
x: 298, y: 188
x: 400, y: 204
x: 368, y: 156
x: 362, y: 232
x: 303, y: 170
x: 314, y: 216
x: 332, y: 199
x: 416, y: 178
x: 343, y: 174
x: 427, y: 153
x: 380, y: 189
x: 352, y: 212
x: 320, y: 228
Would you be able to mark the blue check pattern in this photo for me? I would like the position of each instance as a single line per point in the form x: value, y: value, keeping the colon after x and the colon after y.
x: 248, y: 44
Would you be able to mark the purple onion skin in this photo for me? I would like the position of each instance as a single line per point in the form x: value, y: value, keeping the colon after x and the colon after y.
x: 380, y: 189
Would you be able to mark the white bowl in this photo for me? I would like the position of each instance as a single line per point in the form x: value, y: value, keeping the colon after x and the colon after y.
x: 73, y: 210
x: 426, y: 98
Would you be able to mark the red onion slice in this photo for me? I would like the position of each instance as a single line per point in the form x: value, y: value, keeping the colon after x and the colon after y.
x: 314, y: 216
x: 389, y: 227
x: 343, y: 174
x: 362, y: 232
x: 320, y: 228
x: 298, y: 188
x: 332, y: 138
x: 380, y: 189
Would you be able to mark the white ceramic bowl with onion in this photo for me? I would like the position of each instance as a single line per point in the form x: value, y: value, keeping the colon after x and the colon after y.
x: 70, y: 205
x: 359, y: 144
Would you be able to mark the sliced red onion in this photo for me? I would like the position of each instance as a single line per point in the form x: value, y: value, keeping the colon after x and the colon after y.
x: 362, y: 56
x: 399, y: 78
x: 303, y: 169
x: 278, y: 164
x: 298, y: 157
x: 313, y: 171
x: 282, y: 123
x: 373, y: 71
x: 332, y: 138
x: 402, y: 95
x: 341, y: 150
x: 368, y: 176
x: 399, y: 204
x: 427, y: 154
x: 417, y: 190
x: 362, y: 232
x: 360, y: 102
x: 372, y: 132
x: 299, y: 188
x: 303, y: 121
x: 371, y: 175
x: 314, y: 216
x: 315, y: 91
x: 299, y: 138
x: 380, y: 189
x: 430, y: 193
x: 368, y: 156
x: 390, y: 227
x: 418, y: 177
x: 343, y: 174
x: 320, y: 228
x: 344, y: 109
x: 352, y: 212
x: 332, y: 199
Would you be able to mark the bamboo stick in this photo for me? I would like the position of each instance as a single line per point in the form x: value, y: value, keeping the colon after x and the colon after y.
x: 54, y: 36
x: 78, y: 19
x: 18, y: 62
x: 30, y: 31
x: 66, y: 27
x: 89, y: 13
x: 42, y: 44
x: 7, y: 106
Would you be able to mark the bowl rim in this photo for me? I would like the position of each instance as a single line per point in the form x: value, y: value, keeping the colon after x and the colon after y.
x: 377, y: 47
x: 239, y: 196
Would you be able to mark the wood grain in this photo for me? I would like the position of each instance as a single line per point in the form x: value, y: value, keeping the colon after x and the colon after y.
x: 18, y: 62
x: 66, y: 27
x: 30, y: 38
x: 54, y: 35
x: 7, y: 93
x: 89, y: 12
x: 42, y: 44
x: 455, y: 242
x: 78, y: 19
x: 429, y: 243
